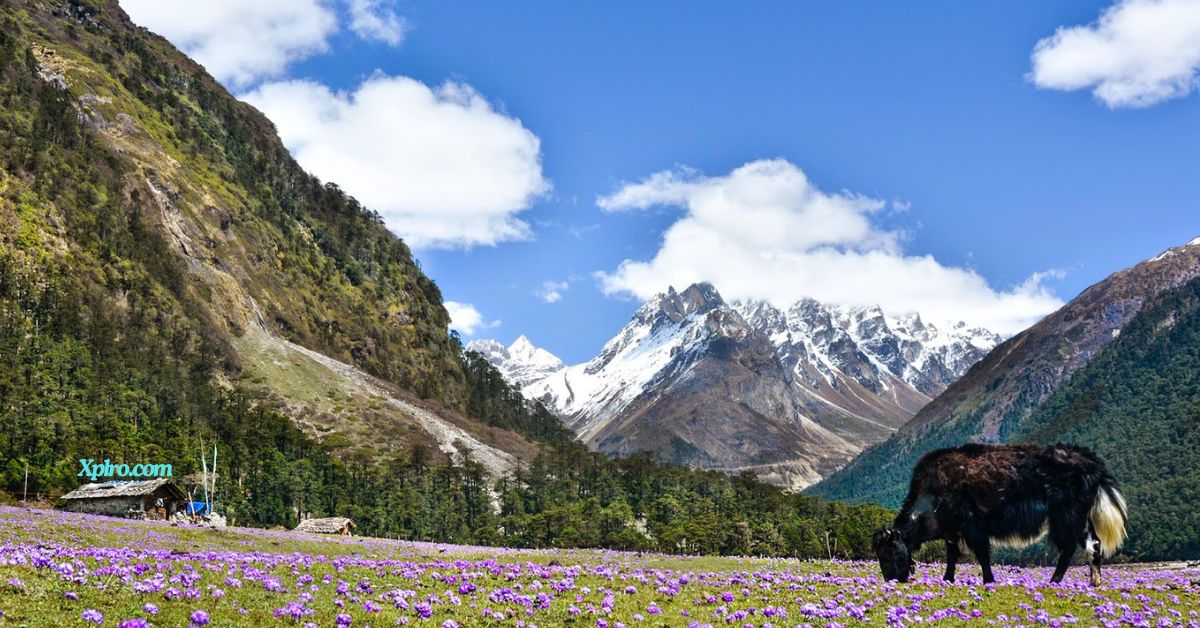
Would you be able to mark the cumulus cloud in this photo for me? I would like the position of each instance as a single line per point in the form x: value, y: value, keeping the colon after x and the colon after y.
x: 765, y: 231
x: 1138, y: 53
x: 442, y: 166
x: 377, y: 20
x: 551, y: 291
x: 239, y: 42
x: 465, y: 319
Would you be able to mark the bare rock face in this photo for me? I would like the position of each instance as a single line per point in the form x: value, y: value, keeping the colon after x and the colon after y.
x: 790, y: 394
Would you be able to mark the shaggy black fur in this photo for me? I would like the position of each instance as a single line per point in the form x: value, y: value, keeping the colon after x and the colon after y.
x: 976, y: 495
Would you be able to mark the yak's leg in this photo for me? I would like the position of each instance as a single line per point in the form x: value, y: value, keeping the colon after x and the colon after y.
x: 1068, y: 530
x: 981, y: 547
x: 952, y: 554
x: 1092, y: 546
x: 1064, y: 562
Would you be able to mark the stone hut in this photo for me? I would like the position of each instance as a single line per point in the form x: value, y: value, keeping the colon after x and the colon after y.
x: 141, y: 499
x: 327, y: 525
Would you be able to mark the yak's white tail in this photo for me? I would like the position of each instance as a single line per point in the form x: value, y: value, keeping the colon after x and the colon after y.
x: 1108, y: 519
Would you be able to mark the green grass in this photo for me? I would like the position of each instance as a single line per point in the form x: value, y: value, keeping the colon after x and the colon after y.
x: 110, y: 559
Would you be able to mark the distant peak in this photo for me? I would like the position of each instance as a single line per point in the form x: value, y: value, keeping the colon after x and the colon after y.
x: 703, y: 293
x: 522, y: 351
x: 871, y: 311
x: 1194, y: 242
x: 484, y: 345
x: 696, y: 298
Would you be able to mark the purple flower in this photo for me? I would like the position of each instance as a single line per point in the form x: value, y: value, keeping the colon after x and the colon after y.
x: 199, y: 618
x: 93, y: 615
x: 150, y: 608
x: 343, y: 619
x: 136, y: 622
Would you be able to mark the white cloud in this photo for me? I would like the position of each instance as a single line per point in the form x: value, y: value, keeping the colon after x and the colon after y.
x: 465, y: 319
x: 377, y: 20
x: 551, y: 291
x: 239, y: 42
x: 765, y: 231
x: 1140, y: 52
x: 442, y: 166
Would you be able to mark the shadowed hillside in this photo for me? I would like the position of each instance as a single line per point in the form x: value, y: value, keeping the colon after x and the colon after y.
x: 997, y: 397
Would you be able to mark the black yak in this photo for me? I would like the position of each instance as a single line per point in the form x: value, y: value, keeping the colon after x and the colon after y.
x: 976, y: 496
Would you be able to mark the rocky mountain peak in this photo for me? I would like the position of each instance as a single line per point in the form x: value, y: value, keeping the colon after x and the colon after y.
x: 697, y: 298
x: 488, y: 347
x: 855, y: 371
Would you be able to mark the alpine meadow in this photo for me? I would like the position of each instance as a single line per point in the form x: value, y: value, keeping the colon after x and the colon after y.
x: 352, y: 313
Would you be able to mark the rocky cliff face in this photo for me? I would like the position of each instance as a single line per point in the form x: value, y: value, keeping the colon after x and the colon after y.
x: 996, y: 397
x: 790, y: 394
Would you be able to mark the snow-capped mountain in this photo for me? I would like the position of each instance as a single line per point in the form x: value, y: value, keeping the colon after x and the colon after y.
x: 523, y: 363
x: 788, y: 393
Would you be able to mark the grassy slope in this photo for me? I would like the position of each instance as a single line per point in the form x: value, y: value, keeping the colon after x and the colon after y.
x: 324, y: 271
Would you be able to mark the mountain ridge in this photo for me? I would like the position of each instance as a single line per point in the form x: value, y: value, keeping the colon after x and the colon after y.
x: 815, y: 392
x: 996, y: 397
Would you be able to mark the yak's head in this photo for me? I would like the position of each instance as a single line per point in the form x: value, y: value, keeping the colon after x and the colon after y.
x: 894, y: 558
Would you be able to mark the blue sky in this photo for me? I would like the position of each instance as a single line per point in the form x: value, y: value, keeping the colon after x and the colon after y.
x: 909, y: 134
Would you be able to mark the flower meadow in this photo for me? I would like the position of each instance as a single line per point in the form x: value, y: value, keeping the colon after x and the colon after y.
x: 64, y: 569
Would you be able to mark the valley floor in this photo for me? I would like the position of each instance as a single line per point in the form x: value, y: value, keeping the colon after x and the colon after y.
x: 63, y: 569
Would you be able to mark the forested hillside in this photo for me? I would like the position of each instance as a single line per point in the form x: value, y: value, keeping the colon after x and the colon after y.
x: 1138, y: 405
x: 152, y: 225
x: 169, y: 277
x: 997, y: 399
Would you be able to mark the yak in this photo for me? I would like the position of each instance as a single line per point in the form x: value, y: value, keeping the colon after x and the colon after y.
x: 976, y: 496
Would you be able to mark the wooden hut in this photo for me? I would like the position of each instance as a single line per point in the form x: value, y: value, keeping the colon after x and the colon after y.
x: 141, y: 499
x: 327, y: 525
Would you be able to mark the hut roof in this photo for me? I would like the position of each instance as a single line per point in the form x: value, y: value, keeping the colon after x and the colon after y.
x: 325, y: 525
x: 120, y: 488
